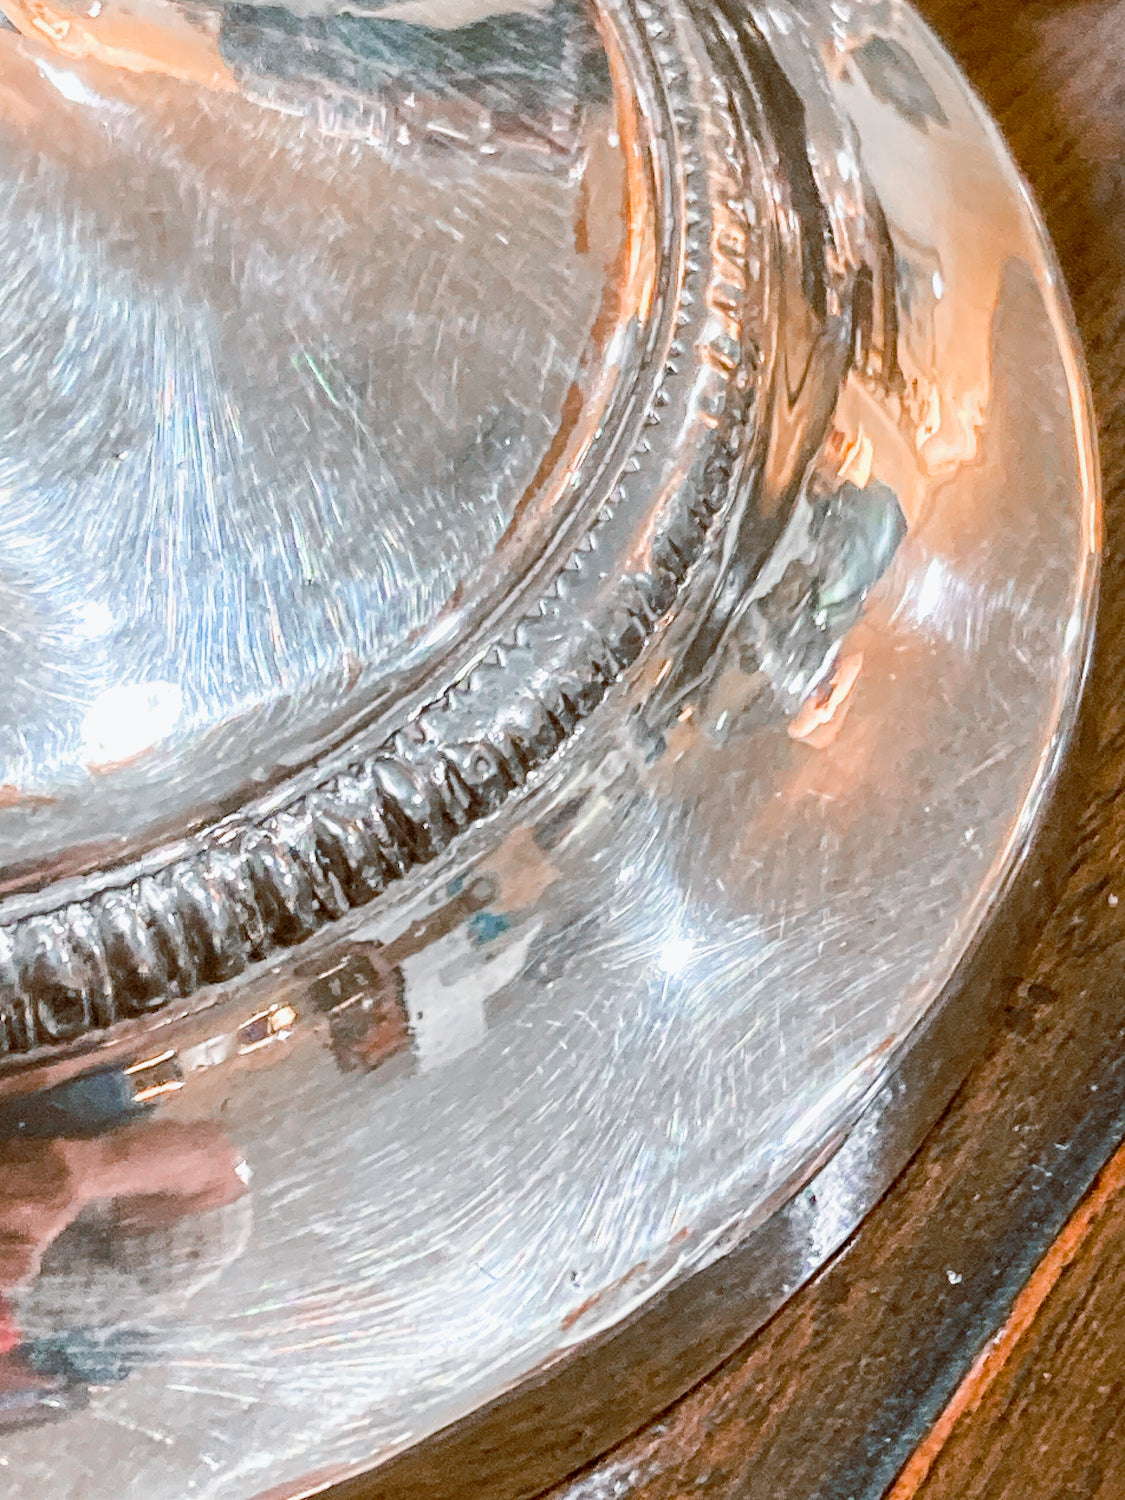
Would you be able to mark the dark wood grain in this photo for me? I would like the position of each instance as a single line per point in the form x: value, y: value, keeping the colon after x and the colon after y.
x: 1041, y: 1410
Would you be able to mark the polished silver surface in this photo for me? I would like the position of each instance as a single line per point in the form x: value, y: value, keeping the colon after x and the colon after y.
x: 280, y: 403
x: 547, y: 561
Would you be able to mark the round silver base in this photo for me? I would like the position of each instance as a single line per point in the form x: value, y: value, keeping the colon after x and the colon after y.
x: 616, y: 1023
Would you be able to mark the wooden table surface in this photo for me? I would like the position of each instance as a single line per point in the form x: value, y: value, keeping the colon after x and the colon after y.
x: 968, y: 1343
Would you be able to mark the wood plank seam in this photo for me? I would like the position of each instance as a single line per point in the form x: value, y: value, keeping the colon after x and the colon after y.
x: 998, y: 1350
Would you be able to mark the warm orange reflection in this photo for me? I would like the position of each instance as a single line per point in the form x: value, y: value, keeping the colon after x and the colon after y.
x: 821, y: 717
x: 137, y: 37
x: 89, y: 1140
x: 153, y: 1171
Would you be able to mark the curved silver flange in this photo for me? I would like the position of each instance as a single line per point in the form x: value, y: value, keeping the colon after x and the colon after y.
x: 747, y: 330
x: 606, y: 929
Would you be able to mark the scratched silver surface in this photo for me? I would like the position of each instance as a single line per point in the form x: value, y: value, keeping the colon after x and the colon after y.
x: 269, y: 1231
x: 271, y: 400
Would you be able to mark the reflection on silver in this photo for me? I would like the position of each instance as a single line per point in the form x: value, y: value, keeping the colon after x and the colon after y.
x: 546, y: 565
